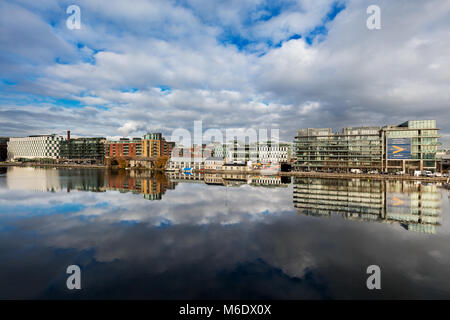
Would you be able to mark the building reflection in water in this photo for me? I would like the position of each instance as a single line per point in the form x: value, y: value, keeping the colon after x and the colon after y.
x: 231, y: 179
x: 152, y: 185
x: 54, y: 180
x: 413, y: 205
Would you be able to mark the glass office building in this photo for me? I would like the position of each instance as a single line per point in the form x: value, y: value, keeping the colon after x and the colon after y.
x: 409, y: 146
x: 83, y: 149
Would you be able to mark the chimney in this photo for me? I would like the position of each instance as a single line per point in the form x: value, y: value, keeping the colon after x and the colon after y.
x: 68, y: 134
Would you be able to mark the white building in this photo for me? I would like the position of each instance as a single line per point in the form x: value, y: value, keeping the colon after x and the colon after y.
x: 263, y: 153
x: 220, y: 150
x: 34, y: 147
x: 274, y: 152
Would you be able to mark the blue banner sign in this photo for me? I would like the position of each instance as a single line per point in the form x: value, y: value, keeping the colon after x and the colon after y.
x: 399, y: 148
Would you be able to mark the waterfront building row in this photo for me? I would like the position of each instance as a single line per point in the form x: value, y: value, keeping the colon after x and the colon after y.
x: 233, y: 156
x: 409, y: 146
x: 91, y: 150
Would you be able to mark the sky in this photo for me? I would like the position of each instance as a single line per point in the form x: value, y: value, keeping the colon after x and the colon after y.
x: 161, y: 65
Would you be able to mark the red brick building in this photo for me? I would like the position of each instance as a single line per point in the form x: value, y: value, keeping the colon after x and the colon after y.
x: 125, y: 148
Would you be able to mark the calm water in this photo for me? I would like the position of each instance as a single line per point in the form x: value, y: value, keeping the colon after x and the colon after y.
x: 181, y: 238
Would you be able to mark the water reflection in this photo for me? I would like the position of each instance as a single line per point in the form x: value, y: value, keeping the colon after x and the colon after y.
x: 415, y: 206
x: 151, y: 185
x: 231, y: 179
x: 55, y: 180
x: 218, y: 237
x: 412, y: 204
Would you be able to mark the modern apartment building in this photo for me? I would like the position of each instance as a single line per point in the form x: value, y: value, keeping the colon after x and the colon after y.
x: 409, y: 146
x: 35, y: 147
x: 154, y: 145
x: 83, y: 149
x: 124, y: 148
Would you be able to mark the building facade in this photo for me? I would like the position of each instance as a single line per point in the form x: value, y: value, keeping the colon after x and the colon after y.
x: 270, y: 152
x: 3, y: 148
x: 219, y: 150
x: 83, y: 149
x: 185, y: 163
x: 260, y: 152
x: 35, y: 147
x: 154, y: 145
x: 241, y: 153
x: 409, y: 146
x: 124, y: 148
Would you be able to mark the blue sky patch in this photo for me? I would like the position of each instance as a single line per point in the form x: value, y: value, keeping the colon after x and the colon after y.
x: 31, y: 211
x: 321, y: 30
x: 165, y: 223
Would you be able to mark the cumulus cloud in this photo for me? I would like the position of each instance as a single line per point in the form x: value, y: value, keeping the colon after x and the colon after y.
x: 130, y: 127
x: 232, y: 64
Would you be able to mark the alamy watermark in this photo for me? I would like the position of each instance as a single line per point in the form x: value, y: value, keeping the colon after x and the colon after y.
x: 374, y: 280
x: 373, y: 22
x: 74, y: 280
x: 74, y: 20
